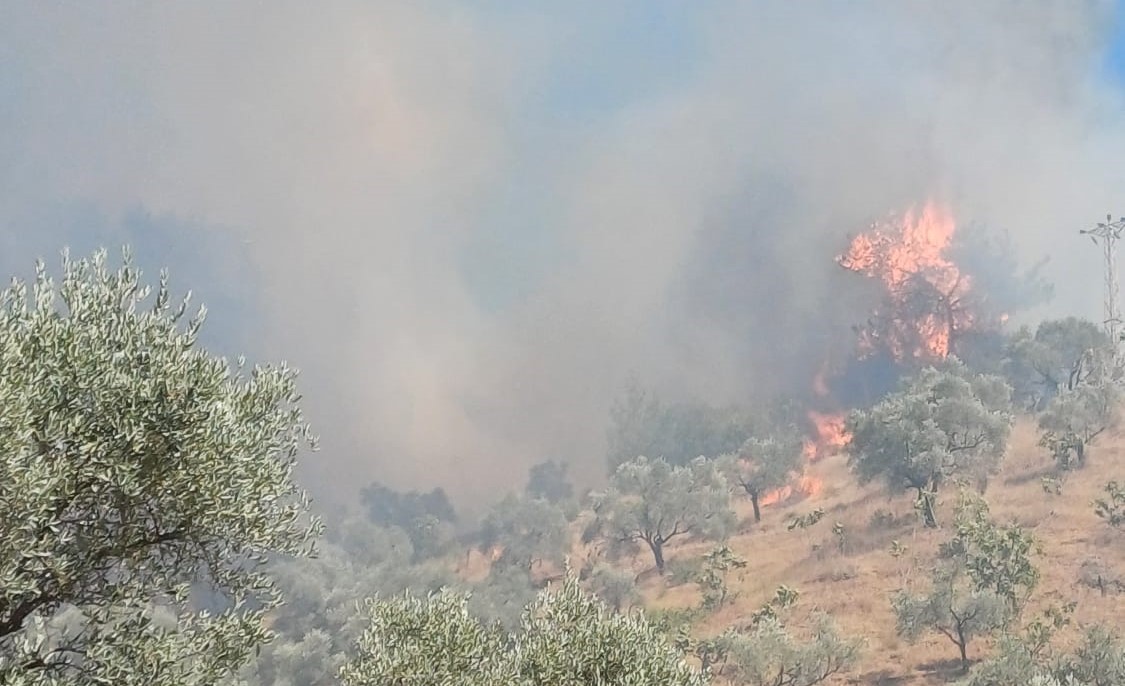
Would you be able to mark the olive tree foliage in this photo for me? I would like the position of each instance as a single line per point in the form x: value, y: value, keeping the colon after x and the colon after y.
x: 770, y: 655
x: 318, y: 623
x: 1112, y: 507
x: 1075, y: 418
x: 501, y: 597
x: 566, y: 638
x: 1055, y: 358
x: 952, y: 608
x: 943, y: 424
x: 641, y: 424
x: 655, y: 502
x: 135, y: 466
x: 983, y: 577
x: 997, y: 559
x: 767, y: 653
x: 427, y: 518
x: 763, y: 464
x: 549, y: 480
x: 615, y: 587
x: 1097, y: 660
x: 526, y: 530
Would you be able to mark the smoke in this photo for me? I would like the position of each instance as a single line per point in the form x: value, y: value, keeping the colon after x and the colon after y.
x: 468, y: 226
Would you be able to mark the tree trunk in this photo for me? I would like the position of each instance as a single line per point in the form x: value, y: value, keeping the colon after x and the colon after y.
x: 757, y: 509
x: 657, y: 548
x: 927, y: 499
x: 1080, y: 453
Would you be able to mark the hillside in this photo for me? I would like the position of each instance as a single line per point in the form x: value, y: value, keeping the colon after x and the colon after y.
x: 856, y: 585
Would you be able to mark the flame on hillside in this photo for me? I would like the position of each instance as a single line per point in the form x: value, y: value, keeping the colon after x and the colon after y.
x: 805, y: 485
x: 831, y: 435
x: 924, y: 289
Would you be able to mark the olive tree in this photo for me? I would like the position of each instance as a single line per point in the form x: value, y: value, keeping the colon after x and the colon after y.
x: 763, y: 464
x: 767, y: 653
x: 549, y: 480
x: 318, y: 623
x: 655, y: 502
x: 137, y: 468
x: 526, y: 529
x: 1053, y: 359
x: 952, y: 609
x: 642, y: 424
x: 1112, y: 507
x: 427, y: 518
x: 942, y: 424
x: 979, y: 585
x: 1097, y: 660
x: 1075, y: 419
x: 566, y: 638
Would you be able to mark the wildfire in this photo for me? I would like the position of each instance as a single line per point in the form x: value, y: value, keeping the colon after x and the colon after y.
x: 831, y: 436
x: 924, y: 288
x: 805, y: 485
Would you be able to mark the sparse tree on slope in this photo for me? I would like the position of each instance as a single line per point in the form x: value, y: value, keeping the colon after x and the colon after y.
x: 979, y: 585
x: 1099, y: 660
x: 766, y: 653
x: 655, y: 502
x: 944, y: 423
x: 526, y: 529
x: 567, y: 638
x: 1112, y: 507
x: 1054, y: 359
x: 640, y: 424
x: 135, y: 466
x: 427, y: 518
x: 762, y: 465
x: 1075, y: 418
x: 950, y: 608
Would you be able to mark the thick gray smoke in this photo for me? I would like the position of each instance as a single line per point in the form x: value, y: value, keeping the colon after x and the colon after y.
x: 470, y: 225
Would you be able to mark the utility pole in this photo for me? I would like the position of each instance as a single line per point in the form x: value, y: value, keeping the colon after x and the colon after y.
x: 1107, y: 234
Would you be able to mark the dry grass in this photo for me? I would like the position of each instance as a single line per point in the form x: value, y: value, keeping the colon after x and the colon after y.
x: 856, y: 586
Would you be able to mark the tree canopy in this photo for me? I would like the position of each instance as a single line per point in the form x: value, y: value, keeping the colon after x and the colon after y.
x: 426, y: 518
x: 525, y: 529
x: 655, y: 502
x: 136, y: 468
x: 763, y: 464
x: 1054, y: 358
x: 641, y: 424
x: 549, y: 480
x: 566, y: 638
x: 1076, y: 418
x: 943, y: 423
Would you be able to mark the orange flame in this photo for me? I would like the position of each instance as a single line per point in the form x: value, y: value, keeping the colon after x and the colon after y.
x: 805, y: 485
x: 831, y: 436
x: 901, y: 253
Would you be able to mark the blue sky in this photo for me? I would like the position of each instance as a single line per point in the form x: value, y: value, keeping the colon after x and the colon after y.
x: 1115, y: 58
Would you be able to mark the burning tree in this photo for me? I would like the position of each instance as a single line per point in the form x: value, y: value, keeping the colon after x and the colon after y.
x: 926, y: 304
x: 945, y: 292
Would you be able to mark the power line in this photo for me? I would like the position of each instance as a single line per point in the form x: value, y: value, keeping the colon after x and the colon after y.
x: 1106, y: 234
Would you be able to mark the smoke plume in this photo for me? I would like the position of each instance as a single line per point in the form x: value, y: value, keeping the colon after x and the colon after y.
x: 469, y: 225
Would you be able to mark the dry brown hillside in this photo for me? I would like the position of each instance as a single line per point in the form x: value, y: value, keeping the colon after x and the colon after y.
x: 855, y: 586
